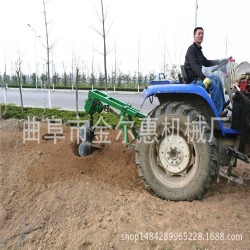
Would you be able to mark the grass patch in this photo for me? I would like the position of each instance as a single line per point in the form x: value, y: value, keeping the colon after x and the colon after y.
x: 13, y: 111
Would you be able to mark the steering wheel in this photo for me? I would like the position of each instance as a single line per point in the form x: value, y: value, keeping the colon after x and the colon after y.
x: 222, y: 63
x: 161, y: 76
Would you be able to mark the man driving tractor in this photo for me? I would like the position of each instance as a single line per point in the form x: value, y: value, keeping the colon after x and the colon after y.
x: 194, y: 60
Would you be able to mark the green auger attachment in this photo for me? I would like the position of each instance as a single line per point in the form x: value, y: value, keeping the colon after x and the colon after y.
x: 94, y: 104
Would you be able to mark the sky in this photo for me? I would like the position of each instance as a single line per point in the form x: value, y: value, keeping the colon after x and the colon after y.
x: 141, y: 30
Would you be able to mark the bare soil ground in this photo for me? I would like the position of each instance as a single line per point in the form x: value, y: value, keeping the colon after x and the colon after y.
x: 52, y: 199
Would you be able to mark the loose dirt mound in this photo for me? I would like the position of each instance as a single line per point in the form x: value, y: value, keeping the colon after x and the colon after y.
x: 53, y: 199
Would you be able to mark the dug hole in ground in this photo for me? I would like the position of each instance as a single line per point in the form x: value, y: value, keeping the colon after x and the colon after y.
x: 50, y: 198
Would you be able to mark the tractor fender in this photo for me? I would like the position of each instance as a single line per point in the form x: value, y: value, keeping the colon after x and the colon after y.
x: 187, y: 89
x: 179, y: 89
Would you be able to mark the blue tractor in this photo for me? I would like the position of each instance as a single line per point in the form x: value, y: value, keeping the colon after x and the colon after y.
x: 183, y: 143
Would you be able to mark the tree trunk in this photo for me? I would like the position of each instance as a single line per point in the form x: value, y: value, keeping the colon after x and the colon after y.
x: 48, y: 54
x: 77, y: 80
x: 20, y: 89
x: 104, y: 48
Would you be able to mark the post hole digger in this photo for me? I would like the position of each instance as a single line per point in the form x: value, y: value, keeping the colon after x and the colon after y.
x: 96, y: 103
x: 191, y: 144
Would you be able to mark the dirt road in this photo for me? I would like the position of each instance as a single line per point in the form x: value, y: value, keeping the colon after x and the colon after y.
x: 52, y: 199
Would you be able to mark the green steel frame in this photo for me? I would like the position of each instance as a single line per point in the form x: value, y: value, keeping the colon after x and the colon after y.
x: 94, y: 104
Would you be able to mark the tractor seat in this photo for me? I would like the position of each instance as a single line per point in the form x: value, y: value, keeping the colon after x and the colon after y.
x: 183, y: 76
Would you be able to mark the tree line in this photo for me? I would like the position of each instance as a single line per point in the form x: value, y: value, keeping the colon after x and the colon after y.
x: 65, y: 79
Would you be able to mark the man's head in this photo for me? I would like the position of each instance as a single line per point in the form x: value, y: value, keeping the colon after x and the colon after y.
x: 198, y: 35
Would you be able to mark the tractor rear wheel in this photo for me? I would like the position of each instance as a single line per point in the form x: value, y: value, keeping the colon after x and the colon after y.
x: 174, y: 161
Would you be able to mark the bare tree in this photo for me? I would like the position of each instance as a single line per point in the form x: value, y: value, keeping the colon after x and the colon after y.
x: 92, y: 75
x: 114, y: 73
x: 138, y: 65
x: 77, y: 69
x: 48, y: 48
x: 166, y: 69
x: 114, y: 69
x: 18, y: 71
x: 164, y: 63
x: 73, y: 65
x: 103, y: 33
x: 4, y: 84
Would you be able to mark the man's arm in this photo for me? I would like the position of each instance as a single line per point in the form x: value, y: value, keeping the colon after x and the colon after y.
x: 209, y: 63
